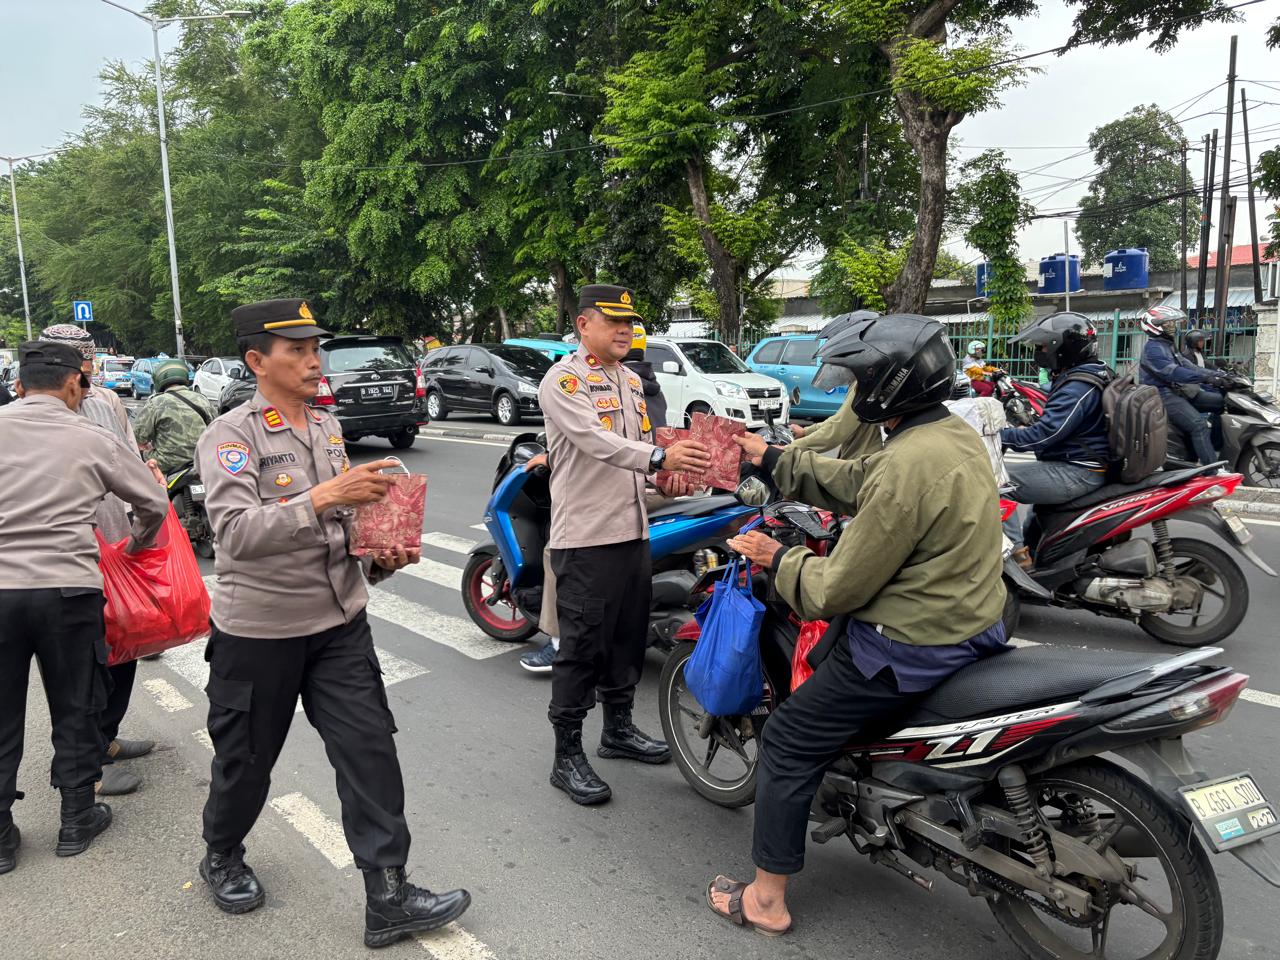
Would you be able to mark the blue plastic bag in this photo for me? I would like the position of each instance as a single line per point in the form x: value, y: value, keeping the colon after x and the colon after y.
x: 725, y: 673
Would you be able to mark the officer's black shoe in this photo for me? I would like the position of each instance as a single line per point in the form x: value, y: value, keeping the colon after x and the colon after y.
x: 82, y: 820
x: 10, y: 839
x: 622, y: 740
x: 395, y: 908
x: 572, y: 772
x: 234, y: 885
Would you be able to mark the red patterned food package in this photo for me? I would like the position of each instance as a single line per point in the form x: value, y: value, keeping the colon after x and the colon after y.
x: 716, y: 434
x: 665, y: 437
x: 396, y: 520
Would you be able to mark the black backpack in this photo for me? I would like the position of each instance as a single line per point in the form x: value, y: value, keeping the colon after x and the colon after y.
x: 1137, y: 426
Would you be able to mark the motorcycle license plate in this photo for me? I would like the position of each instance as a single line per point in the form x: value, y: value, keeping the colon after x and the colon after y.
x: 1230, y: 811
x: 1238, y: 530
x: 197, y: 491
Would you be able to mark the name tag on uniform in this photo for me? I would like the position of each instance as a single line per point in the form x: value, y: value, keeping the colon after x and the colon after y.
x: 277, y: 460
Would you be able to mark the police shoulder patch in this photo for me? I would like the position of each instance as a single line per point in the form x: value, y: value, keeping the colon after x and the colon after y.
x: 568, y: 384
x: 233, y: 455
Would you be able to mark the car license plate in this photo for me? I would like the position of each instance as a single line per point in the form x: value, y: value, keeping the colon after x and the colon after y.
x: 1230, y: 811
x: 1238, y: 530
x: 770, y: 404
x: 378, y: 392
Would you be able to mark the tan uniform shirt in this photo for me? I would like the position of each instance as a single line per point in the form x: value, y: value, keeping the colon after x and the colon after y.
x: 55, y: 468
x: 282, y: 571
x: 599, y: 444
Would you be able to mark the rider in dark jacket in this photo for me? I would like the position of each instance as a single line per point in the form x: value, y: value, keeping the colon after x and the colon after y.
x: 1183, y: 386
x: 1070, y: 438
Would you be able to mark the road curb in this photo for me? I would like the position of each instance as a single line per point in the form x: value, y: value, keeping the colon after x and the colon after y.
x: 464, y: 433
x: 1255, y: 508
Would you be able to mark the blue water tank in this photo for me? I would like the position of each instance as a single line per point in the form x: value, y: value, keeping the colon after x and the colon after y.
x: 1125, y: 269
x: 1052, y: 274
x: 984, y: 274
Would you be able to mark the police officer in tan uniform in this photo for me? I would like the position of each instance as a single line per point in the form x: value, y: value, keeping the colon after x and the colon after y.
x: 600, y: 444
x: 289, y: 620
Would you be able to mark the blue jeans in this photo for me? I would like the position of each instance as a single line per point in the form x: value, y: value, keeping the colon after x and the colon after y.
x: 1188, y: 417
x: 1050, y: 482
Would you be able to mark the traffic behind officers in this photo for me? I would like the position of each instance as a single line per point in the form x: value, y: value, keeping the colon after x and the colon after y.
x: 50, y: 585
x: 289, y: 620
x: 599, y: 439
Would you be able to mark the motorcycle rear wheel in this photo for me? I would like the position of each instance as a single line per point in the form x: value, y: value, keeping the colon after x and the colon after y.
x: 1220, y: 576
x: 502, y: 620
x: 1193, y: 920
x: 716, y: 771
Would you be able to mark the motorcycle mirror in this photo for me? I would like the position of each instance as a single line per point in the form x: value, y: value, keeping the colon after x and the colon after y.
x: 752, y: 492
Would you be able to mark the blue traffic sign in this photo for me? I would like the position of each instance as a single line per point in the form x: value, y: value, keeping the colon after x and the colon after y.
x: 82, y: 310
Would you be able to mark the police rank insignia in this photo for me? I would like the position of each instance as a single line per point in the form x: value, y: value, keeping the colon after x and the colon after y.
x: 592, y: 361
x: 334, y: 438
x: 606, y: 421
x: 271, y: 416
x: 283, y: 479
x: 594, y: 378
x: 233, y: 455
x: 568, y: 384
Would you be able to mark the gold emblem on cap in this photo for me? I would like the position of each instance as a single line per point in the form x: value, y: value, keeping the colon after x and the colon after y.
x: 304, y: 311
x: 626, y: 297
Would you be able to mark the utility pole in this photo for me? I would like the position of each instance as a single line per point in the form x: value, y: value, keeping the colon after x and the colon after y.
x: 1253, y: 215
x: 1206, y: 202
x: 1066, y: 265
x: 862, y: 180
x: 17, y: 230
x: 1224, y: 250
x: 1183, y: 266
x: 1222, y: 281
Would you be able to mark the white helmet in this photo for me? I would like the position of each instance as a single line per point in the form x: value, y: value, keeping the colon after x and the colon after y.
x: 1162, y: 321
x: 976, y: 347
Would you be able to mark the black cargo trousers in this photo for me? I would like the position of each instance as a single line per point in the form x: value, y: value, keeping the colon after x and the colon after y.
x: 254, y: 685
x: 603, y: 595
x: 63, y: 629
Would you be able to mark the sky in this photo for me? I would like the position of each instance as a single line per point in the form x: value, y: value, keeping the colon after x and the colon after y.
x: 54, y: 49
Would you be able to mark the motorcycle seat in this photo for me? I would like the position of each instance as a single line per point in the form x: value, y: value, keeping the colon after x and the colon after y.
x: 1161, y: 478
x: 698, y: 507
x: 1022, y: 678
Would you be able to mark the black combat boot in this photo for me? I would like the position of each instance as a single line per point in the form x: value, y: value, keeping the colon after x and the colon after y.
x: 235, y: 886
x: 572, y: 772
x: 10, y: 838
x: 395, y: 908
x: 82, y: 820
x: 622, y: 740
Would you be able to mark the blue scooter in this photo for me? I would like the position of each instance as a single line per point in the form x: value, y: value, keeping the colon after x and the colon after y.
x: 502, y: 581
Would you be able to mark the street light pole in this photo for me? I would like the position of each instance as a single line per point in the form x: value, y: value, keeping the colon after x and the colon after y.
x: 156, y: 23
x: 17, y: 230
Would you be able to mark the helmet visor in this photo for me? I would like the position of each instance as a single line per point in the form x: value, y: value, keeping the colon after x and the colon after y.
x: 832, y: 376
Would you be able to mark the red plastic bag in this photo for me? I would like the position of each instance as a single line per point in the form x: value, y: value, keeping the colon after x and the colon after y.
x: 811, y: 632
x: 156, y: 598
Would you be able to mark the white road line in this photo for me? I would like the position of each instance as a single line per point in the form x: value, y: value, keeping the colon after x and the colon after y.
x: 445, y: 541
x: 479, y: 526
x: 166, y: 695
x: 1264, y: 523
x: 202, y: 737
x: 395, y: 669
x: 442, y: 574
x: 453, y: 632
x: 1258, y: 696
x: 436, y: 438
x: 320, y: 831
x: 453, y: 943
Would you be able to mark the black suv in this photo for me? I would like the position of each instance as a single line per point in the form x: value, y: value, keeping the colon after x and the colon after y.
x: 497, y: 378
x: 371, y: 384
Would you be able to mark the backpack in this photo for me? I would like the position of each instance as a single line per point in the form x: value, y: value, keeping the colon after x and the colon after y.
x: 1137, y: 426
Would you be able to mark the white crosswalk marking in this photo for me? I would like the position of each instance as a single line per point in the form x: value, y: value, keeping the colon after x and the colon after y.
x: 445, y: 541
x: 453, y: 632
x: 479, y: 526
x: 166, y: 694
x: 453, y: 943
x: 443, y: 574
x: 321, y: 831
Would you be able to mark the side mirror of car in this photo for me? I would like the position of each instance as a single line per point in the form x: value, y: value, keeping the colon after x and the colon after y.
x: 670, y: 366
x: 487, y: 371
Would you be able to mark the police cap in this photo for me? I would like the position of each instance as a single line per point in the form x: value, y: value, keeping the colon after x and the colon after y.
x: 284, y: 318
x: 617, y: 303
x: 47, y: 353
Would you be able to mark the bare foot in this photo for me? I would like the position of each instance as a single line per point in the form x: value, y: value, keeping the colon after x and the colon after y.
x: 770, y: 916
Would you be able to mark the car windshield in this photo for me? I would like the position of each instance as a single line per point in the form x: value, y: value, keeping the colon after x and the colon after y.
x: 115, y: 366
x: 522, y: 361
x: 341, y: 357
x: 709, y: 356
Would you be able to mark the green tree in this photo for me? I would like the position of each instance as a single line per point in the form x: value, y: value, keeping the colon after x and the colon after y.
x: 950, y: 267
x: 989, y: 206
x: 1138, y: 157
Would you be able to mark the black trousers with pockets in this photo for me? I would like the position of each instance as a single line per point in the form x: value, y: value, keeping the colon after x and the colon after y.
x: 254, y: 685
x: 603, y: 595
x: 63, y: 630
x: 122, y: 677
x: 802, y: 738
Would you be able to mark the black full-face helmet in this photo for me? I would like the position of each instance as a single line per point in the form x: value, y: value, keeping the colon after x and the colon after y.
x: 1060, y: 341
x: 1196, y: 340
x: 898, y: 364
x: 838, y: 325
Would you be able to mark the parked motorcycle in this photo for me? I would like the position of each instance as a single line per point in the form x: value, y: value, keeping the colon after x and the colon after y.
x: 1178, y: 589
x: 996, y: 781
x: 186, y: 493
x: 502, y: 581
x: 1250, y: 436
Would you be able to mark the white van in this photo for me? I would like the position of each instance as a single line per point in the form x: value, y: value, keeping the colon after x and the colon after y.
x: 705, y: 375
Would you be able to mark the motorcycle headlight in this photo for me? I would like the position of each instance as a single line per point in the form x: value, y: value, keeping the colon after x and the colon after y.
x: 727, y: 389
x: 527, y: 388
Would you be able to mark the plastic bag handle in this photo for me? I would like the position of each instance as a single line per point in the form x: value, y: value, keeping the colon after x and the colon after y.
x: 399, y: 463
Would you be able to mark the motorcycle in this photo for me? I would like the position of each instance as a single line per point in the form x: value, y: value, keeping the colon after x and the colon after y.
x: 996, y: 781
x: 1180, y: 590
x: 1023, y: 401
x: 502, y: 580
x: 1250, y: 435
x: 186, y: 493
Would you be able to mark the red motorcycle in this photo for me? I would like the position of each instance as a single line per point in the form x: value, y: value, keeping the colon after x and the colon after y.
x: 1023, y: 401
x: 1178, y: 589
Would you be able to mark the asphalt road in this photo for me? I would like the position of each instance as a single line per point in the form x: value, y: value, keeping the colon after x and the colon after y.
x: 549, y: 880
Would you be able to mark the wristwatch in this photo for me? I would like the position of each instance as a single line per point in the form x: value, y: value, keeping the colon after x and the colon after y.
x: 657, y: 459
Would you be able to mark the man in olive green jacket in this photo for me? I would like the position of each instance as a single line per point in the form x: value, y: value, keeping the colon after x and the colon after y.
x: 842, y: 432
x: 915, y: 577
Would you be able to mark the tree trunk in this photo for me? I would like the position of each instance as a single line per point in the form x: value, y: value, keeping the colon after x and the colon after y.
x: 505, y: 326
x: 564, y: 296
x: 724, y: 267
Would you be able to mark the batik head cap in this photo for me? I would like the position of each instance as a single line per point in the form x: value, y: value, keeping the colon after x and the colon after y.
x: 71, y: 335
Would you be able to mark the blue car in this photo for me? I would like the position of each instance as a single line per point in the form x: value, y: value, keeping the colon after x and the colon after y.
x: 114, y: 375
x: 792, y: 360
x: 140, y: 375
x: 553, y: 350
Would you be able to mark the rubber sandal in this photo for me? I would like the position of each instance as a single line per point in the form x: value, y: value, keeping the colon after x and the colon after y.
x: 735, y: 915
